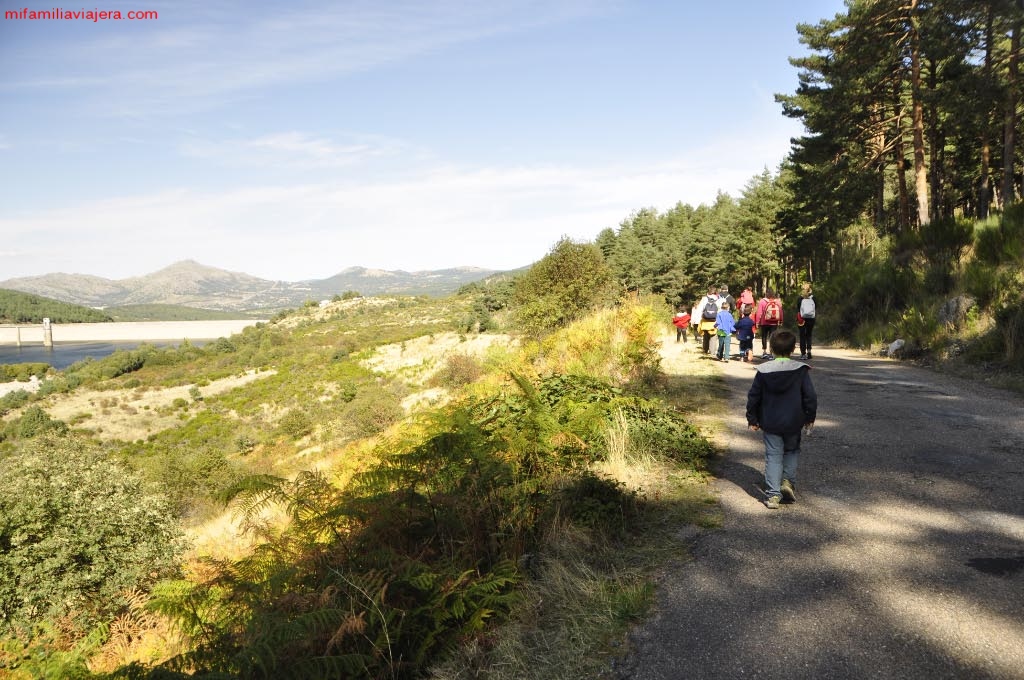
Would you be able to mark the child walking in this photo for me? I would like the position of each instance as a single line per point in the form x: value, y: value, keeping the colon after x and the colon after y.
x: 725, y: 326
x: 745, y: 333
x: 682, y: 323
x: 781, y: 402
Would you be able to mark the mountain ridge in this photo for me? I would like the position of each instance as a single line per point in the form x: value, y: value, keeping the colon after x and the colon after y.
x: 190, y: 283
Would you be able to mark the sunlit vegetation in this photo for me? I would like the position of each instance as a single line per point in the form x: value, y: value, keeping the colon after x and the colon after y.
x: 383, y: 496
x: 370, y: 542
x: 159, y: 312
x: 17, y: 307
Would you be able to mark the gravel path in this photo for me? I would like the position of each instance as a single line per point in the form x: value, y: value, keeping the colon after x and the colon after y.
x: 903, y: 557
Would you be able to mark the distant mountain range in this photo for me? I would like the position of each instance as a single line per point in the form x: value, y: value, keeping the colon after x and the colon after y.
x: 195, y: 285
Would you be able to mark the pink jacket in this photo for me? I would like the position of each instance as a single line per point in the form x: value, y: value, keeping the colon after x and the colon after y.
x: 759, y: 313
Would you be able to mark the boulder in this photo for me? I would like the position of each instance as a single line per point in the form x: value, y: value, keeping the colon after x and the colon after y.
x: 954, y: 311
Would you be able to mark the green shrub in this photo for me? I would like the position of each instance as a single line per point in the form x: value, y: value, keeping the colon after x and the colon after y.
x: 597, y: 503
x: 1001, y: 240
x: 222, y: 346
x: 982, y: 281
x: 245, y: 444
x: 77, y: 530
x: 23, y: 371
x: 121, y: 362
x: 458, y: 370
x: 373, y: 410
x: 919, y: 328
x: 1010, y: 322
x: 33, y: 422
x: 563, y: 286
x: 13, y: 400
x: 865, y: 291
x: 296, y: 423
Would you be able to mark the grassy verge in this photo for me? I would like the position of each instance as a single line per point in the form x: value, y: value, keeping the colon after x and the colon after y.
x: 584, y: 594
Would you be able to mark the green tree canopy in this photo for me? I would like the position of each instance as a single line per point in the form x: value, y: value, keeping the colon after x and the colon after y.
x: 563, y: 286
x: 18, y: 307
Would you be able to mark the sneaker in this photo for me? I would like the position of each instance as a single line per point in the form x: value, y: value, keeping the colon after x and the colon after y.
x: 788, y: 492
x: 772, y: 502
x: 803, y: 357
x: 808, y: 355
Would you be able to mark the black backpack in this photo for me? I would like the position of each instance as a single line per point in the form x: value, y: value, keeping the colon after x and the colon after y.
x: 710, y: 311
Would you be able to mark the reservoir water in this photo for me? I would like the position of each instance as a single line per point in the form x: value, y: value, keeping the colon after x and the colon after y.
x: 63, y: 354
x: 74, y: 342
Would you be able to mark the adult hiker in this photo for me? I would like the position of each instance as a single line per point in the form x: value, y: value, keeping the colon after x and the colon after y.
x: 768, y: 318
x: 724, y: 297
x: 708, y: 309
x: 805, y: 316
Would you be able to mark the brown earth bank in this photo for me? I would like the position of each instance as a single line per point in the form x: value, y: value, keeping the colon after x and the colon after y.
x: 902, y: 558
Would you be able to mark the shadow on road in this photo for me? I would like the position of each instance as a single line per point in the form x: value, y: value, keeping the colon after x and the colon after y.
x: 903, y: 557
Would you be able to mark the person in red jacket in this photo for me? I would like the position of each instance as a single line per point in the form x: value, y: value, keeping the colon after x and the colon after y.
x: 682, y: 323
x: 746, y: 298
x: 768, y: 318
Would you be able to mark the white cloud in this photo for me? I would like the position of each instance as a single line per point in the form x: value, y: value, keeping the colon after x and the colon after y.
x: 498, y: 218
x: 293, y: 150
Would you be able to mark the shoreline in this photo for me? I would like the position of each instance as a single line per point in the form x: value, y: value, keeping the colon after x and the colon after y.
x: 124, y: 331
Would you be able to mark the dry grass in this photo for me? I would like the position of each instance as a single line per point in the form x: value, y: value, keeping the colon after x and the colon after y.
x: 418, y: 360
x: 128, y: 415
x: 584, y: 595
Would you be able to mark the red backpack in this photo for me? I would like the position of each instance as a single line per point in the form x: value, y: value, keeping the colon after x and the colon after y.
x: 772, y: 314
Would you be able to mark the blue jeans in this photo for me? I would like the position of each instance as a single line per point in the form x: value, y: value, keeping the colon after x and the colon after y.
x: 724, y: 343
x: 781, y: 455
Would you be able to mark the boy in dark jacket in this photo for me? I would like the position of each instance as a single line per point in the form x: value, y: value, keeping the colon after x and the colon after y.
x: 781, y: 402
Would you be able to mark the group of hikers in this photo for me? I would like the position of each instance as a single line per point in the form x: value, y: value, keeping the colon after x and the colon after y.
x: 782, y: 403
x: 720, y: 315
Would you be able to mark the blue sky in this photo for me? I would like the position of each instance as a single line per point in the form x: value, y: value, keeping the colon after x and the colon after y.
x: 293, y: 140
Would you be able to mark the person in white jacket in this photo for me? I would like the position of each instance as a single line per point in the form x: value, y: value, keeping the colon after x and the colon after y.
x: 806, y: 315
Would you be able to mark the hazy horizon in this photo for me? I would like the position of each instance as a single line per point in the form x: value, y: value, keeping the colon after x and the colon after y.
x: 291, y: 143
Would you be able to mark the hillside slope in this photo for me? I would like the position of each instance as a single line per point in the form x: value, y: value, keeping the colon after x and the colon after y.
x: 192, y: 284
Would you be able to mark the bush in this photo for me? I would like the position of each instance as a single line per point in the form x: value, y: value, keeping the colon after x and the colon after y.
x: 602, y: 505
x: 13, y: 400
x: 34, y: 422
x: 1010, y: 322
x: 22, y: 372
x: 996, y: 242
x: 222, y: 346
x: 982, y: 281
x: 563, y: 286
x: 866, y: 291
x: 372, y: 411
x: 458, y: 370
x: 296, y: 423
x: 918, y: 328
x: 62, y: 503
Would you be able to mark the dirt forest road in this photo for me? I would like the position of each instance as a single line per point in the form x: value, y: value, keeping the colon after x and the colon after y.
x: 902, y: 559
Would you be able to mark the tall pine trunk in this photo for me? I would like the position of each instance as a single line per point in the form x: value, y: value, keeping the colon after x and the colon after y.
x: 900, y: 155
x: 984, y: 187
x: 917, y: 111
x: 1010, y: 114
